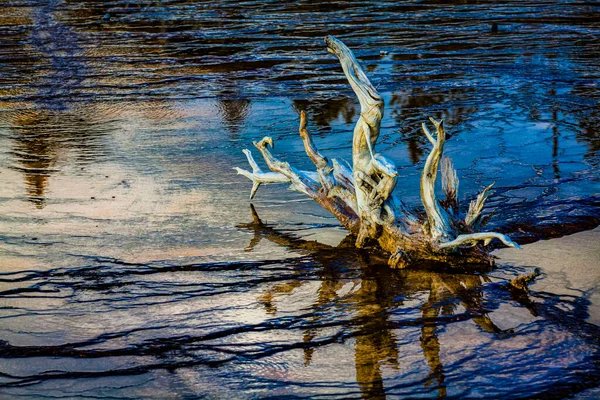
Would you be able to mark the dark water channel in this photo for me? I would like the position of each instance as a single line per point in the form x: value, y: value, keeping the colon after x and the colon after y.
x: 131, y: 263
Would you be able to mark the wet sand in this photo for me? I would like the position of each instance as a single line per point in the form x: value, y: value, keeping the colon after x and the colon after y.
x: 571, y: 266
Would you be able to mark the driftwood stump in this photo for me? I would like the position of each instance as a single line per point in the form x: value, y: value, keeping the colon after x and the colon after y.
x: 362, y: 199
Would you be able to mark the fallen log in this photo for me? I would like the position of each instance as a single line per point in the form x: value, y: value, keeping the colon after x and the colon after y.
x: 362, y: 198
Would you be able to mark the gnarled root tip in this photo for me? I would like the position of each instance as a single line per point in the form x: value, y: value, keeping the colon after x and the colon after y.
x: 399, y: 259
x: 267, y: 140
x: 522, y: 282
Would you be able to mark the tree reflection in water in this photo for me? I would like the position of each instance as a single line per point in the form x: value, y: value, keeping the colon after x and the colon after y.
x: 378, y: 293
x: 323, y: 112
x: 42, y: 136
x: 410, y: 107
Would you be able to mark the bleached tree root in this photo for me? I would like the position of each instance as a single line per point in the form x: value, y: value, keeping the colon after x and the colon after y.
x: 362, y: 198
x: 473, y: 238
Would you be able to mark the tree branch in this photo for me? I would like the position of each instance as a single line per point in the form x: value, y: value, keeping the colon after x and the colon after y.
x: 323, y: 168
x: 438, y: 219
x: 473, y: 217
x: 257, y: 176
x: 450, y: 186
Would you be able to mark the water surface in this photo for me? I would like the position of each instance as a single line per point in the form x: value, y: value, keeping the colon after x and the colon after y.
x: 132, y: 265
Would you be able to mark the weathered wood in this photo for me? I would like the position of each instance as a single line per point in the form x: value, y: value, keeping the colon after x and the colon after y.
x: 362, y: 199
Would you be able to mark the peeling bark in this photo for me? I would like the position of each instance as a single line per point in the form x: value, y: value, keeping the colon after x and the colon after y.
x: 362, y: 197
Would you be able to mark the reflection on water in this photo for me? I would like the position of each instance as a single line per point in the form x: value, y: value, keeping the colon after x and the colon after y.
x: 378, y: 295
x: 332, y: 322
x: 126, y: 272
x: 234, y: 113
x: 324, y: 112
x: 40, y: 138
x: 412, y: 106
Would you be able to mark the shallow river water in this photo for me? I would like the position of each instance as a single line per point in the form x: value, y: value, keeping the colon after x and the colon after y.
x: 133, y: 266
